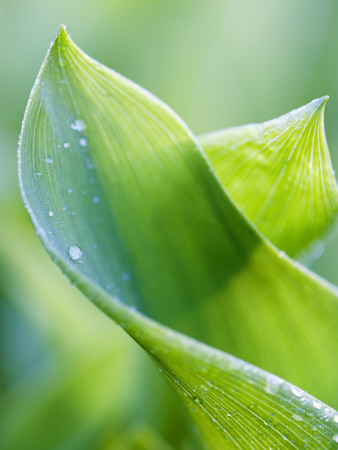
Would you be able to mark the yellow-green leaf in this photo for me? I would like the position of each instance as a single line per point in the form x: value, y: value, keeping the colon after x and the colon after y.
x: 126, y: 203
x: 280, y: 174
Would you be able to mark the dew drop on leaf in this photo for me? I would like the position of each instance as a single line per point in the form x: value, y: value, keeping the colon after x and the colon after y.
x: 78, y: 125
x: 83, y: 142
x: 297, y: 392
x: 96, y: 200
x: 74, y: 252
x: 66, y: 144
x: 49, y: 160
x: 51, y: 213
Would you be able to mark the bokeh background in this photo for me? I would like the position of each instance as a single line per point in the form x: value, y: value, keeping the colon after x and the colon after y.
x: 69, y: 378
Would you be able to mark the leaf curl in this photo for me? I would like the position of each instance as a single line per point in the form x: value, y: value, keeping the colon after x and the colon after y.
x: 126, y: 203
x: 280, y: 174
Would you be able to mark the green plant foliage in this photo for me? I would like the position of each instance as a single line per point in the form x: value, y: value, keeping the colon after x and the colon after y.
x: 280, y: 174
x: 126, y: 203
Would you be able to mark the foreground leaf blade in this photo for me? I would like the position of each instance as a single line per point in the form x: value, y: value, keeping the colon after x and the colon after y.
x: 280, y: 174
x: 124, y: 199
x: 237, y: 405
x: 234, y: 404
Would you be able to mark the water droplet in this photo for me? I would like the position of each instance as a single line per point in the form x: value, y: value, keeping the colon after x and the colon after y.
x: 335, y: 438
x: 96, y: 200
x: 49, y: 160
x: 83, y: 142
x: 335, y: 419
x: 296, y: 391
x: 74, y: 252
x: 51, y: 213
x: 66, y: 144
x: 70, y: 191
x: 38, y: 174
x: 78, y: 125
x: 317, y: 404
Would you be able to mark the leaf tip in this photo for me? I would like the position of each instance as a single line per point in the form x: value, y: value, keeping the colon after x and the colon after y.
x: 305, y: 113
x: 319, y: 103
x: 62, y: 35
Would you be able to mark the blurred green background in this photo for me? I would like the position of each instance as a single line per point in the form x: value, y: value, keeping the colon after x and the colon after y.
x: 69, y: 378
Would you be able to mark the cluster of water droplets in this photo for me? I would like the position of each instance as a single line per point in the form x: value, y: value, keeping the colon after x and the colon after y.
x: 78, y: 125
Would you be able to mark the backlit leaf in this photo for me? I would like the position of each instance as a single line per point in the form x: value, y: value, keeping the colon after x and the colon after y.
x: 280, y: 174
x: 124, y: 200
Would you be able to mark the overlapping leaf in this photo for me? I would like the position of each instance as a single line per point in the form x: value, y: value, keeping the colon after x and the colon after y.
x: 280, y: 174
x: 235, y: 404
x: 126, y: 203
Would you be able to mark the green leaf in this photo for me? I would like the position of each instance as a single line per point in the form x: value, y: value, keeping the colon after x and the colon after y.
x: 280, y: 174
x: 235, y: 404
x: 127, y: 205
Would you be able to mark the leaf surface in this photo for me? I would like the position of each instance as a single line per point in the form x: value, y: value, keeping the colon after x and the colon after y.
x: 234, y: 404
x: 280, y: 174
x: 125, y: 201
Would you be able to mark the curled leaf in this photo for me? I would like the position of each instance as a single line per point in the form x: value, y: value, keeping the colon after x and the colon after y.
x: 126, y: 203
x: 280, y: 174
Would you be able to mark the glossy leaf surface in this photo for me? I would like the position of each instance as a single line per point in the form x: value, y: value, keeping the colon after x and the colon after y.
x: 280, y: 174
x: 126, y: 203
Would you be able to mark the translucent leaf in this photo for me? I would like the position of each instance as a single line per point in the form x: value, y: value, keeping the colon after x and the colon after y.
x: 280, y: 174
x: 127, y: 205
x: 235, y: 404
